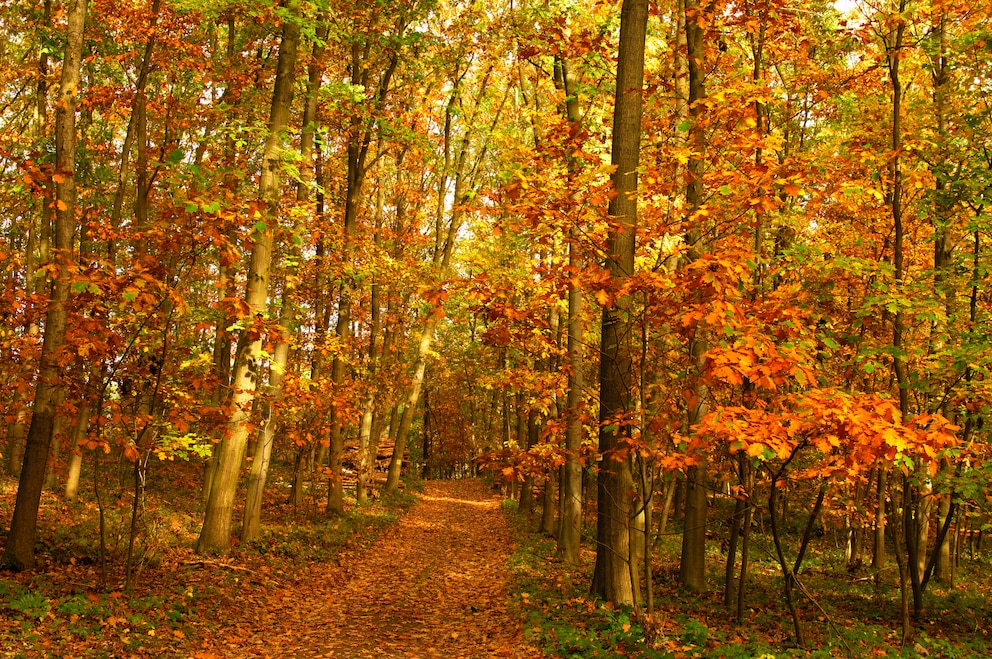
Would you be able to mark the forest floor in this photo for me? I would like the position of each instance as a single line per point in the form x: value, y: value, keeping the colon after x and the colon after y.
x: 452, y: 571
x: 415, y: 576
x: 433, y: 586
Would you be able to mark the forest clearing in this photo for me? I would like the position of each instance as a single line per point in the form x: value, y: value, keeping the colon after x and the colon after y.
x: 699, y: 290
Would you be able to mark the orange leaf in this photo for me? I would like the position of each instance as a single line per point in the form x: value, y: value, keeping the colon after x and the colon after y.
x: 755, y: 449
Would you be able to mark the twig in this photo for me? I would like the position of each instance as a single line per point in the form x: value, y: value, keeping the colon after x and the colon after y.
x: 830, y: 621
x: 229, y: 566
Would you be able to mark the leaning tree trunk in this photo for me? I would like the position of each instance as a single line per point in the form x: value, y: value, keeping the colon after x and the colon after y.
x: 614, y: 580
x: 229, y: 454
x: 19, y: 550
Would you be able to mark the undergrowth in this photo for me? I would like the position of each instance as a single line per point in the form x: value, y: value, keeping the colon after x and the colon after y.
x: 70, y: 606
x: 563, y: 619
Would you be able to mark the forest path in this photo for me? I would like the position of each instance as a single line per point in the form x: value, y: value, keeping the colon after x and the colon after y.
x: 435, y: 585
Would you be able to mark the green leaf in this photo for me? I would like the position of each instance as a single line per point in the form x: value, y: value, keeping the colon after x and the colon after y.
x: 261, y: 226
x: 79, y: 286
x: 175, y: 157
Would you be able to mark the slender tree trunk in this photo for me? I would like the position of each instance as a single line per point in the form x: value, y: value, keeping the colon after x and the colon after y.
x: 229, y: 454
x: 410, y: 406
x: 35, y: 254
x: 747, y: 479
x: 287, y: 313
x: 614, y: 579
x: 943, y: 251
x: 258, y: 475
x: 735, y: 528
x: 878, y: 551
x: 532, y: 430
x: 226, y: 286
x: 692, y: 567
x: 79, y: 431
x: 944, y: 568
x: 19, y: 550
x: 571, y: 499
x: 548, y: 503
x: 908, y: 563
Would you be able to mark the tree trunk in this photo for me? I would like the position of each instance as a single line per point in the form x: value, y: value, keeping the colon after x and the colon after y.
x: 412, y: 399
x: 531, y: 432
x: 614, y: 579
x: 747, y: 481
x: 226, y: 286
x: 251, y: 526
x: 571, y: 499
x: 229, y: 454
x: 19, y: 550
x: 287, y: 312
x: 878, y: 551
x: 692, y: 568
x: 548, y: 503
x: 79, y: 431
x: 55, y: 448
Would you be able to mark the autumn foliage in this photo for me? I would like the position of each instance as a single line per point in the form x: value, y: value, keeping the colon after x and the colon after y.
x: 354, y: 240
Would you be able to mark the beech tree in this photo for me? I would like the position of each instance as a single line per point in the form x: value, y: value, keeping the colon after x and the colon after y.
x: 615, y: 578
x: 230, y: 452
x: 19, y: 550
x: 754, y: 270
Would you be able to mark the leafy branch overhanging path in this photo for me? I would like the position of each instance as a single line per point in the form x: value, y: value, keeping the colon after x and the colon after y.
x: 433, y: 586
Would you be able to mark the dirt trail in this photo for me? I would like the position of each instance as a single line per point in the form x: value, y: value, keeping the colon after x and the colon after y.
x: 432, y: 586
